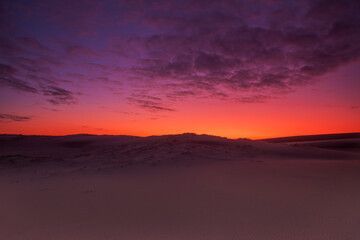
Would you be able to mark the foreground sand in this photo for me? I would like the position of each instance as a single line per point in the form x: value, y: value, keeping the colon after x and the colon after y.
x: 273, y: 199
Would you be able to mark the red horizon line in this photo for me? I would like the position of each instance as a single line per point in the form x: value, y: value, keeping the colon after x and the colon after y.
x: 54, y: 135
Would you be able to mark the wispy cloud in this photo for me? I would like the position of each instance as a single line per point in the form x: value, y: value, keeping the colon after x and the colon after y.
x: 152, y: 104
x: 59, y: 95
x: 8, y: 79
x: 255, y: 99
x: 13, y: 118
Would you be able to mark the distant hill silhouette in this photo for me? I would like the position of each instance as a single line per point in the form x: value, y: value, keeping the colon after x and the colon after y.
x: 306, y: 138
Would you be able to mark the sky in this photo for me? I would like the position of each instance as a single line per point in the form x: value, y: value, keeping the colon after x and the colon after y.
x: 237, y: 69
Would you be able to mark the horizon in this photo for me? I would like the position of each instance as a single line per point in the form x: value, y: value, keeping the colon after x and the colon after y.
x: 250, y: 69
x: 188, y: 133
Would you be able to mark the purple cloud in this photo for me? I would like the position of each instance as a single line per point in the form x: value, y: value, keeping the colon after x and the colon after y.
x: 255, y: 99
x: 149, y: 103
x: 8, y: 79
x: 59, y: 95
x: 13, y: 118
x: 175, y: 49
x: 224, y: 49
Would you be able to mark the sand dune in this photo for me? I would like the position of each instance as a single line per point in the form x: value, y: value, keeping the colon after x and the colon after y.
x: 176, y: 187
x: 99, y: 152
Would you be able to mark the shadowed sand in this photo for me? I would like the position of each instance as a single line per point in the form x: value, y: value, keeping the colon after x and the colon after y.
x: 176, y: 187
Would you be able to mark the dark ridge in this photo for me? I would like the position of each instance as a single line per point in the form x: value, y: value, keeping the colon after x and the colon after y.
x: 343, y: 145
x: 75, y: 144
x: 301, y: 138
x: 307, y: 138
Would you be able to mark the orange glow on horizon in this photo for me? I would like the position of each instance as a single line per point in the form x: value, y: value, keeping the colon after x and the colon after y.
x: 323, y: 108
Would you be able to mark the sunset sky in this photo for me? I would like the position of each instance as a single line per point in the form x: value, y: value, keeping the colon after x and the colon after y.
x: 238, y: 69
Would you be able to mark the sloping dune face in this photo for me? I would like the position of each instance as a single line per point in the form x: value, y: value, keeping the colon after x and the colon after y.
x: 101, y: 152
x: 175, y: 187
